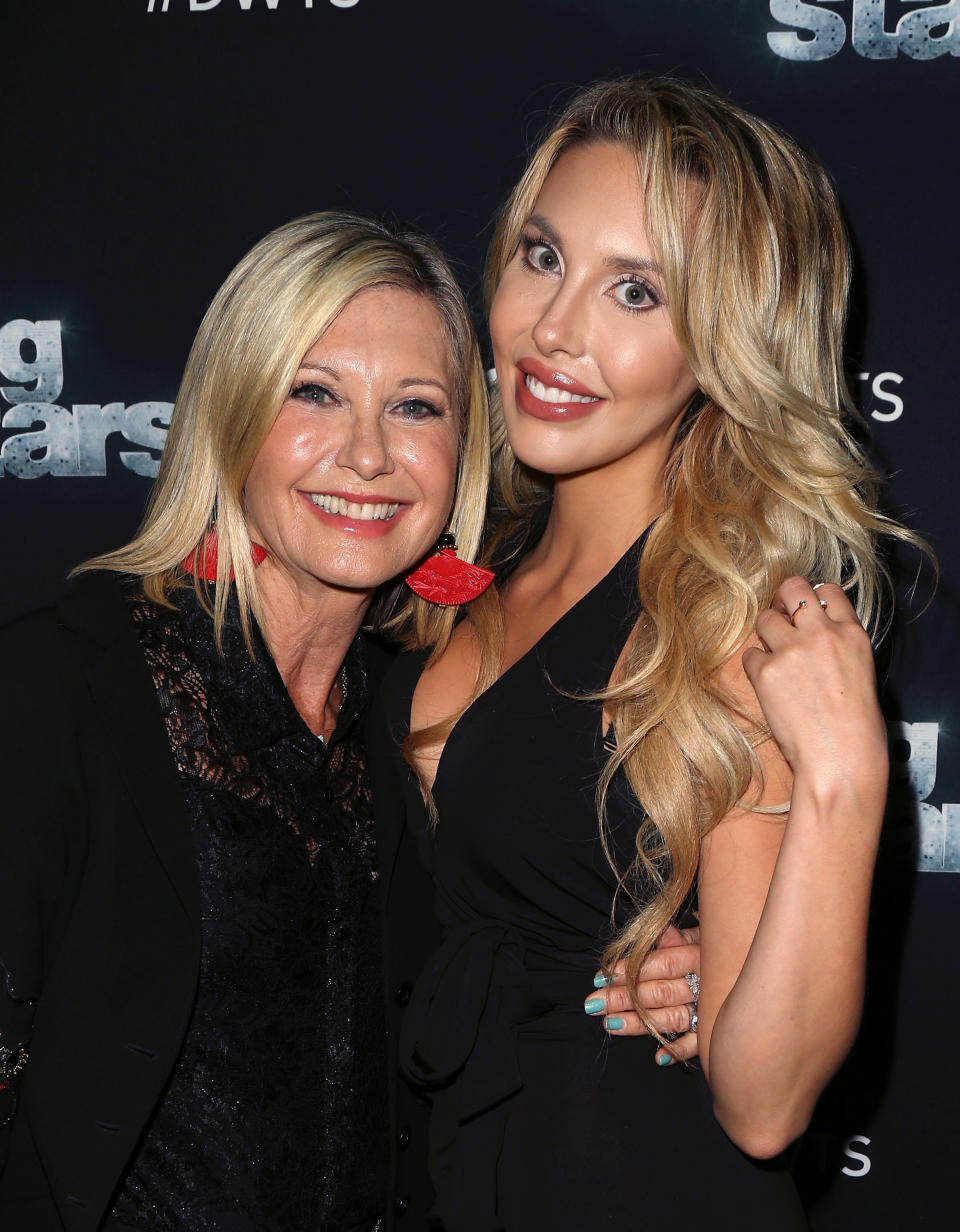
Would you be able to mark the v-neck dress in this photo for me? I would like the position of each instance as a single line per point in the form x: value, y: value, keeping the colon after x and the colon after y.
x: 540, y: 1120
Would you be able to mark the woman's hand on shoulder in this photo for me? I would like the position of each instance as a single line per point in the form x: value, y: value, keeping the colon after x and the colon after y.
x: 813, y: 675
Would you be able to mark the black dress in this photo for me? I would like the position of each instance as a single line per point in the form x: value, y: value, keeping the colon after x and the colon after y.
x: 539, y: 1120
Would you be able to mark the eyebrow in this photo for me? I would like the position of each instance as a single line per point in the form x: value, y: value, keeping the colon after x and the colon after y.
x: 613, y: 260
x: 319, y: 368
x: 407, y: 382
x: 424, y: 380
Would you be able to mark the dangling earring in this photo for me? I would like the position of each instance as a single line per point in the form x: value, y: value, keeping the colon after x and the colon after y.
x: 445, y: 579
x: 208, y: 552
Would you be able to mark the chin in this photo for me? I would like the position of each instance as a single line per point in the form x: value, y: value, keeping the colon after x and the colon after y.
x: 552, y: 462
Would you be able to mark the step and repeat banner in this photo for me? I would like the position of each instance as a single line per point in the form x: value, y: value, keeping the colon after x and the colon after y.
x: 148, y: 143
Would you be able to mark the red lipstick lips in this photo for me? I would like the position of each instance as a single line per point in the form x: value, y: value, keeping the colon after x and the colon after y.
x: 541, y: 408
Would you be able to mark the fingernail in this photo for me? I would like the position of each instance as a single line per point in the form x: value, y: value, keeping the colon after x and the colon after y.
x: 613, y: 1024
x: 594, y: 1005
x: 602, y: 981
x: 664, y: 1059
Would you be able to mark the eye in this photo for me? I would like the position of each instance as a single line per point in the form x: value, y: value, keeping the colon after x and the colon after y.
x: 309, y: 391
x: 417, y: 408
x: 632, y: 294
x: 539, y: 255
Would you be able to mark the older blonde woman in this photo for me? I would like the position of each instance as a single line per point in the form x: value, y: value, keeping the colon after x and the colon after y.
x: 191, y: 1015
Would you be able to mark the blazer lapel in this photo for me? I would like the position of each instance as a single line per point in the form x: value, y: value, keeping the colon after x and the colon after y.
x: 122, y: 691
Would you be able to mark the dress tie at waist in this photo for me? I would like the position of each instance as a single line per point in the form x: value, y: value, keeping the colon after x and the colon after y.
x: 459, y: 1041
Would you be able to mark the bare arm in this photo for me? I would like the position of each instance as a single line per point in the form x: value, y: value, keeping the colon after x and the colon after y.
x: 784, y: 902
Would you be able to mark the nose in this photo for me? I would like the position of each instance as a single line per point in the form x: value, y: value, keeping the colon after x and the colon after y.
x: 561, y: 325
x: 365, y: 449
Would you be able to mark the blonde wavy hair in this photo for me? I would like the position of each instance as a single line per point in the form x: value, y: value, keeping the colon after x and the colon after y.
x: 764, y: 479
x: 273, y: 306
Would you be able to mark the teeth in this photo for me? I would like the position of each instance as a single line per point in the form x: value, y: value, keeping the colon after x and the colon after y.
x: 550, y: 393
x: 366, y: 512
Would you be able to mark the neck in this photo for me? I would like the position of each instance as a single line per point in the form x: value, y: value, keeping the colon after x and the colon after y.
x: 594, y: 519
x: 308, y: 633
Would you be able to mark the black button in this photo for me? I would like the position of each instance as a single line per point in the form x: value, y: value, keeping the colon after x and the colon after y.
x: 401, y: 1204
x: 402, y: 995
x: 403, y: 1137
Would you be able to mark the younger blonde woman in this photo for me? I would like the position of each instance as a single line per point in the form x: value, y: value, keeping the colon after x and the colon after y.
x: 655, y: 704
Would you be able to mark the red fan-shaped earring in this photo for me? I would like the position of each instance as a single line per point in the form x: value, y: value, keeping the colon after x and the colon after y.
x: 445, y: 579
x: 206, y: 567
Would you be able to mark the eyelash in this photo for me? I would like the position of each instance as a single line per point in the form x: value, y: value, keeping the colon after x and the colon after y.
x: 301, y: 391
x: 432, y: 410
x: 633, y: 280
x: 529, y: 242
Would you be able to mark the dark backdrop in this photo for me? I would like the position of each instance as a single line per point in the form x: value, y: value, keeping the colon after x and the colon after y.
x: 148, y: 143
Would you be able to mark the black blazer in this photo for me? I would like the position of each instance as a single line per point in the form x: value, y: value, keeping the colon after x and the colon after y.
x: 100, y: 918
x: 99, y: 905
x: 411, y: 933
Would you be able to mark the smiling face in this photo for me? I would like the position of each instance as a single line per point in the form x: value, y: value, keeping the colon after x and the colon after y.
x: 591, y: 375
x: 356, y: 477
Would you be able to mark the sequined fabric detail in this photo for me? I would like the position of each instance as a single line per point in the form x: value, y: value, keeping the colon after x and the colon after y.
x: 274, y: 1118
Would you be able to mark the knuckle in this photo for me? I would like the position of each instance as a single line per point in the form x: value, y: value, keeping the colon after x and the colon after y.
x: 685, y: 958
x: 618, y: 999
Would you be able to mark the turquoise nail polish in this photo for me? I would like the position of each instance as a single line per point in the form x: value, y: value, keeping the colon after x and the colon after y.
x: 664, y: 1059
x: 594, y: 1005
x: 602, y: 981
x: 613, y: 1024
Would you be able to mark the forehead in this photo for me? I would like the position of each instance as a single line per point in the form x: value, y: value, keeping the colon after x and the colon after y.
x: 596, y: 187
x: 388, y: 330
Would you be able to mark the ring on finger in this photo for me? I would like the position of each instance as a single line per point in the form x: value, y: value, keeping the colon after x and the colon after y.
x: 802, y: 604
x: 693, y: 983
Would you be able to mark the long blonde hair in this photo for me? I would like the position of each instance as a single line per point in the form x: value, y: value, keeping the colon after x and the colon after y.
x: 273, y: 306
x: 764, y: 479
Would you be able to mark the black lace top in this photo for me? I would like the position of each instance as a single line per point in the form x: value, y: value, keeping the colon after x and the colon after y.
x: 274, y: 1118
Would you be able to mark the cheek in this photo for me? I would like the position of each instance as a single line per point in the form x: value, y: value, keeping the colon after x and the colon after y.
x: 430, y: 460
x: 496, y: 319
x: 439, y: 470
x: 282, y: 460
x: 651, y: 368
x: 258, y: 486
x: 506, y: 313
x: 440, y: 480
